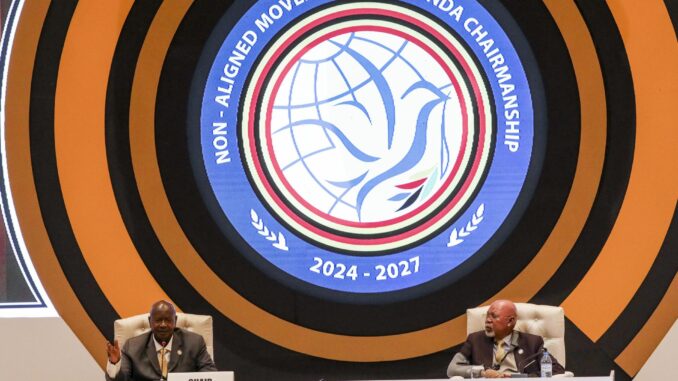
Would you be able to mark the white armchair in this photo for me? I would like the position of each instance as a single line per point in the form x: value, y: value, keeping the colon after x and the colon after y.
x: 545, y: 321
x: 125, y: 329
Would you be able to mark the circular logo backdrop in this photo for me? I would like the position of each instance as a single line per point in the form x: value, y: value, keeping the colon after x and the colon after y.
x: 366, y: 146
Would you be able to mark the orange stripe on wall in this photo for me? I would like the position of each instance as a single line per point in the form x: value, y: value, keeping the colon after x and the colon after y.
x: 589, y: 161
x: 19, y: 167
x: 647, y: 209
x: 82, y: 163
x: 641, y: 347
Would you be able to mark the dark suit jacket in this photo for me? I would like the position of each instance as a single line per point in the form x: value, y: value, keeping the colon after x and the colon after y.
x: 140, y: 359
x: 478, y: 350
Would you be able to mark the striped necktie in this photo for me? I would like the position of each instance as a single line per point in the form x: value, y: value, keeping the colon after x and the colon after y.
x: 163, y: 362
x: 499, y: 355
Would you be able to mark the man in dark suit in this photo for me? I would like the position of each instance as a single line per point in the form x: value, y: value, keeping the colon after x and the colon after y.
x: 150, y: 356
x: 499, y: 349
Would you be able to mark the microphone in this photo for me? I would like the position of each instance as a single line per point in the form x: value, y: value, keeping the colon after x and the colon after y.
x: 532, y: 357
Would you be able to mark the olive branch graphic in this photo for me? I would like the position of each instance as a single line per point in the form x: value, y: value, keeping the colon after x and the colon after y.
x: 457, y: 237
x: 278, y: 240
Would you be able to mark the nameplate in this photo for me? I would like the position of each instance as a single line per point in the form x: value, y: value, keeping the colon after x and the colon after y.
x: 201, y: 376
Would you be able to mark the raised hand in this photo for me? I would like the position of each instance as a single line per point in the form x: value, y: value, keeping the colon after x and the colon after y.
x: 113, y: 351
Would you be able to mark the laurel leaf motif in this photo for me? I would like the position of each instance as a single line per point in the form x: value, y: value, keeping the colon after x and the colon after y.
x: 256, y: 222
x: 454, y: 239
x: 264, y: 231
x: 278, y: 239
x: 282, y: 244
x: 476, y: 219
x: 478, y: 215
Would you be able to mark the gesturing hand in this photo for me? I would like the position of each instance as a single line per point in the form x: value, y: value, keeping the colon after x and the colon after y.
x: 113, y: 352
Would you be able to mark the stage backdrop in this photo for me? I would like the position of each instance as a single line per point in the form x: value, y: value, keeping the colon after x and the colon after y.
x: 336, y: 182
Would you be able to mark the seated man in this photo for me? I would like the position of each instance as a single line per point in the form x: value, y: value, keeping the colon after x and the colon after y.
x: 499, y: 349
x: 151, y: 355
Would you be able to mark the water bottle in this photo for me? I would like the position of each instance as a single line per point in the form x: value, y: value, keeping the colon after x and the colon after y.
x: 546, y: 364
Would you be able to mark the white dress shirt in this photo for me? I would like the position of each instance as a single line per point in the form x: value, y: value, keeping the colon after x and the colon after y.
x: 509, y: 362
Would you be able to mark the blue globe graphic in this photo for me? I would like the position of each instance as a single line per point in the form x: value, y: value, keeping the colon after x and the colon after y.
x: 365, y: 126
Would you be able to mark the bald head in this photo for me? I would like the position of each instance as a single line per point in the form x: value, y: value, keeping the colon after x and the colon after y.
x: 500, y: 319
x: 162, y: 305
x: 505, y: 306
x: 162, y: 319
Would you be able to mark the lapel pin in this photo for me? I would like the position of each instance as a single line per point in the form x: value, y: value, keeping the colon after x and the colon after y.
x: 179, y: 352
x: 520, y: 351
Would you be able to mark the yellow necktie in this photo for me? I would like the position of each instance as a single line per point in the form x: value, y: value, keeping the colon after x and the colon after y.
x: 499, y: 355
x: 163, y: 362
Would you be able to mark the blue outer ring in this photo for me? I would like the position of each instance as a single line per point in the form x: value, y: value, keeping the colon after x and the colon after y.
x: 502, y: 186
